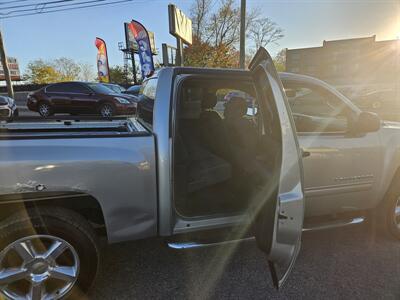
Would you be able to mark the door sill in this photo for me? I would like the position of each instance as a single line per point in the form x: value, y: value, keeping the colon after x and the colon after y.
x: 334, y: 224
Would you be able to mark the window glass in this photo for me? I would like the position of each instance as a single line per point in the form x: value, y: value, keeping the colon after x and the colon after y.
x: 315, y: 109
x: 100, y: 88
x: 77, y: 88
x: 55, y: 88
x: 149, y: 89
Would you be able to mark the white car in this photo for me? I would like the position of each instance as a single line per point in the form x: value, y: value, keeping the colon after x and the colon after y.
x: 8, y: 108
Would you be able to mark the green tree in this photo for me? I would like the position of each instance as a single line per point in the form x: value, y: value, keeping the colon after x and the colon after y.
x: 40, y: 72
x: 117, y: 75
x: 57, y: 70
x: 280, y: 61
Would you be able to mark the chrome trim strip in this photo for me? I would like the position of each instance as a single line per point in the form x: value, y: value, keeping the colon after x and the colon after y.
x: 336, y: 224
x: 194, y: 245
x: 339, y: 188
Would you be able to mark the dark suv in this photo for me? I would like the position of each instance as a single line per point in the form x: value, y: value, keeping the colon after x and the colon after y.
x: 80, y: 98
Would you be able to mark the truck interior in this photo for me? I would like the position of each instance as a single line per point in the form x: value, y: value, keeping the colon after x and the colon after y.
x: 223, y: 148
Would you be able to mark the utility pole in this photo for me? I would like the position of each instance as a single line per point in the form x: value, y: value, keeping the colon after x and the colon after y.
x: 179, y: 52
x: 4, y: 63
x: 242, y: 34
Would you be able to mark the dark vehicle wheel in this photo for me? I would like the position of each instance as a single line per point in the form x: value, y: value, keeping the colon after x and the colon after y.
x: 107, y: 110
x: 45, y: 109
x: 49, y: 253
x: 392, y: 215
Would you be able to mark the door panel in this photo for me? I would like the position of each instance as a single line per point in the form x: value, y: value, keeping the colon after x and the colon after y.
x: 280, y: 219
x: 60, y: 101
x: 351, y: 171
x: 342, y: 169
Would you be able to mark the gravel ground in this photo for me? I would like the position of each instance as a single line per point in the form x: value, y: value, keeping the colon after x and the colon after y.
x: 344, y: 263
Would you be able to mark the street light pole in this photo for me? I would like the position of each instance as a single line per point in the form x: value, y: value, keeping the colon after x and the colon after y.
x: 242, y: 34
x: 6, y: 70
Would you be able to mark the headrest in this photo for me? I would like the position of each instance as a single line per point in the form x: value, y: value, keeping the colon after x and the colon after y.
x: 209, y: 101
x: 236, y: 107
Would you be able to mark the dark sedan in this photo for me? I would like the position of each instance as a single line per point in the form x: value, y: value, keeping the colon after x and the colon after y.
x: 80, y: 98
x: 133, y: 90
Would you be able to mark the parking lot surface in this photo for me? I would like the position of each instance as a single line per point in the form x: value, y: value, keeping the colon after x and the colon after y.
x: 345, y: 263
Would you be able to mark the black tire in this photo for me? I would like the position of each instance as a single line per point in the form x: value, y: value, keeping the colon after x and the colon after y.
x: 107, y: 110
x: 45, y: 109
x: 390, y: 219
x: 61, y: 223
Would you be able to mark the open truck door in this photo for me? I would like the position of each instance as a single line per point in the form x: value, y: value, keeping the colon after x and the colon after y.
x: 279, y: 221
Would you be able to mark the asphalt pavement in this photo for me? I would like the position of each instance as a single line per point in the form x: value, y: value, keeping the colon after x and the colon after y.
x: 345, y: 263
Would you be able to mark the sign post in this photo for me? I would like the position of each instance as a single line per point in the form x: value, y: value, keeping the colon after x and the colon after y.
x: 168, y: 55
x: 4, y: 63
x: 180, y: 26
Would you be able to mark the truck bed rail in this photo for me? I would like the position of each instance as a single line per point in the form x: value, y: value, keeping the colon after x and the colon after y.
x: 65, y: 128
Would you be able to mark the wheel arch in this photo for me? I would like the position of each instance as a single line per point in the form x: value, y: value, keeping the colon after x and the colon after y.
x: 84, y: 204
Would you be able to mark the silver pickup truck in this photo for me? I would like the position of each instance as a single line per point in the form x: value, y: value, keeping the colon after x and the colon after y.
x: 186, y: 174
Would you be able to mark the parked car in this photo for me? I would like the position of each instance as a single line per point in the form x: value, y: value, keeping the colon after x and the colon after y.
x: 115, y: 87
x: 386, y: 103
x: 133, y: 90
x: 8, y: 108
x: 124, y: 181
x: 80, y: 98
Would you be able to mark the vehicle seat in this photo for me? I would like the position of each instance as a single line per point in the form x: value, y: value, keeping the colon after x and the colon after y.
x: 243, y: 137
x: 212, y: 130
x: 196, y: 165
x: 242, y: 131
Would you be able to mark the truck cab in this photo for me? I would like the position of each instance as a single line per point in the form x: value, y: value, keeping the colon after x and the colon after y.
x: 200, y: 165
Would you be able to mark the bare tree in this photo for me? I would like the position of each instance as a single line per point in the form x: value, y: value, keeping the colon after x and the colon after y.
x: 67, y: 68
x: 224, y: 24
x: 263, y: 31
x: 86, y: 72
x: 199, y: 14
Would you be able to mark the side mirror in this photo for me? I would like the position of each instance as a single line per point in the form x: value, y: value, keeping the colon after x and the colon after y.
x: 367, y: 122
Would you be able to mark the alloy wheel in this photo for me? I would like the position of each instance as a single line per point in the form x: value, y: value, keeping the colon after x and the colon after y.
x: 397, y: 213
x: 38, y: 267
x: 106, y: 110
x: 44, y: 110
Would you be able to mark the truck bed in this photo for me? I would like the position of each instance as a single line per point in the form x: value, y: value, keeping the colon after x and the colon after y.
x: 68, y: 127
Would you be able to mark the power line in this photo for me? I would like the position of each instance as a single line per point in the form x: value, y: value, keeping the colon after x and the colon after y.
x: 41, y: 7
x: 9, y: 2
x: 36, y: 4
x: 65, y: 9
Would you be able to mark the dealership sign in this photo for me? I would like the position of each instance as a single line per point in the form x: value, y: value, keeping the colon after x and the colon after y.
x: 13, y: 67
x: 144, y: 47
x: 180, y: 26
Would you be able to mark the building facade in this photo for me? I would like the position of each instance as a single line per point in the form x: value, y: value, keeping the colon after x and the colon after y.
x: 361, y: 63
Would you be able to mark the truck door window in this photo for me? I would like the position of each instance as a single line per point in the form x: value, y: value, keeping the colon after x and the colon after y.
x: 316, y: 109
x: 149, y: 90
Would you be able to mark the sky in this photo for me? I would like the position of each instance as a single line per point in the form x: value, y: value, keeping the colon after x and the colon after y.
x: 305, y: 23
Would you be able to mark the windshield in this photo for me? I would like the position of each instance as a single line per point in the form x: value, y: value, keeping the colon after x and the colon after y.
x: 115, y: 87
x: 100, y: 88
x: 3, y: 100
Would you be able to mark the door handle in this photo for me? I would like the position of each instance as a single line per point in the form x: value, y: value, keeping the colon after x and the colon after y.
x: 305, y: 153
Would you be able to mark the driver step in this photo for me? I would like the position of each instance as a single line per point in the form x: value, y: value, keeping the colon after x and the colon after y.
x: 333, y: 224
x: 205, y: 244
